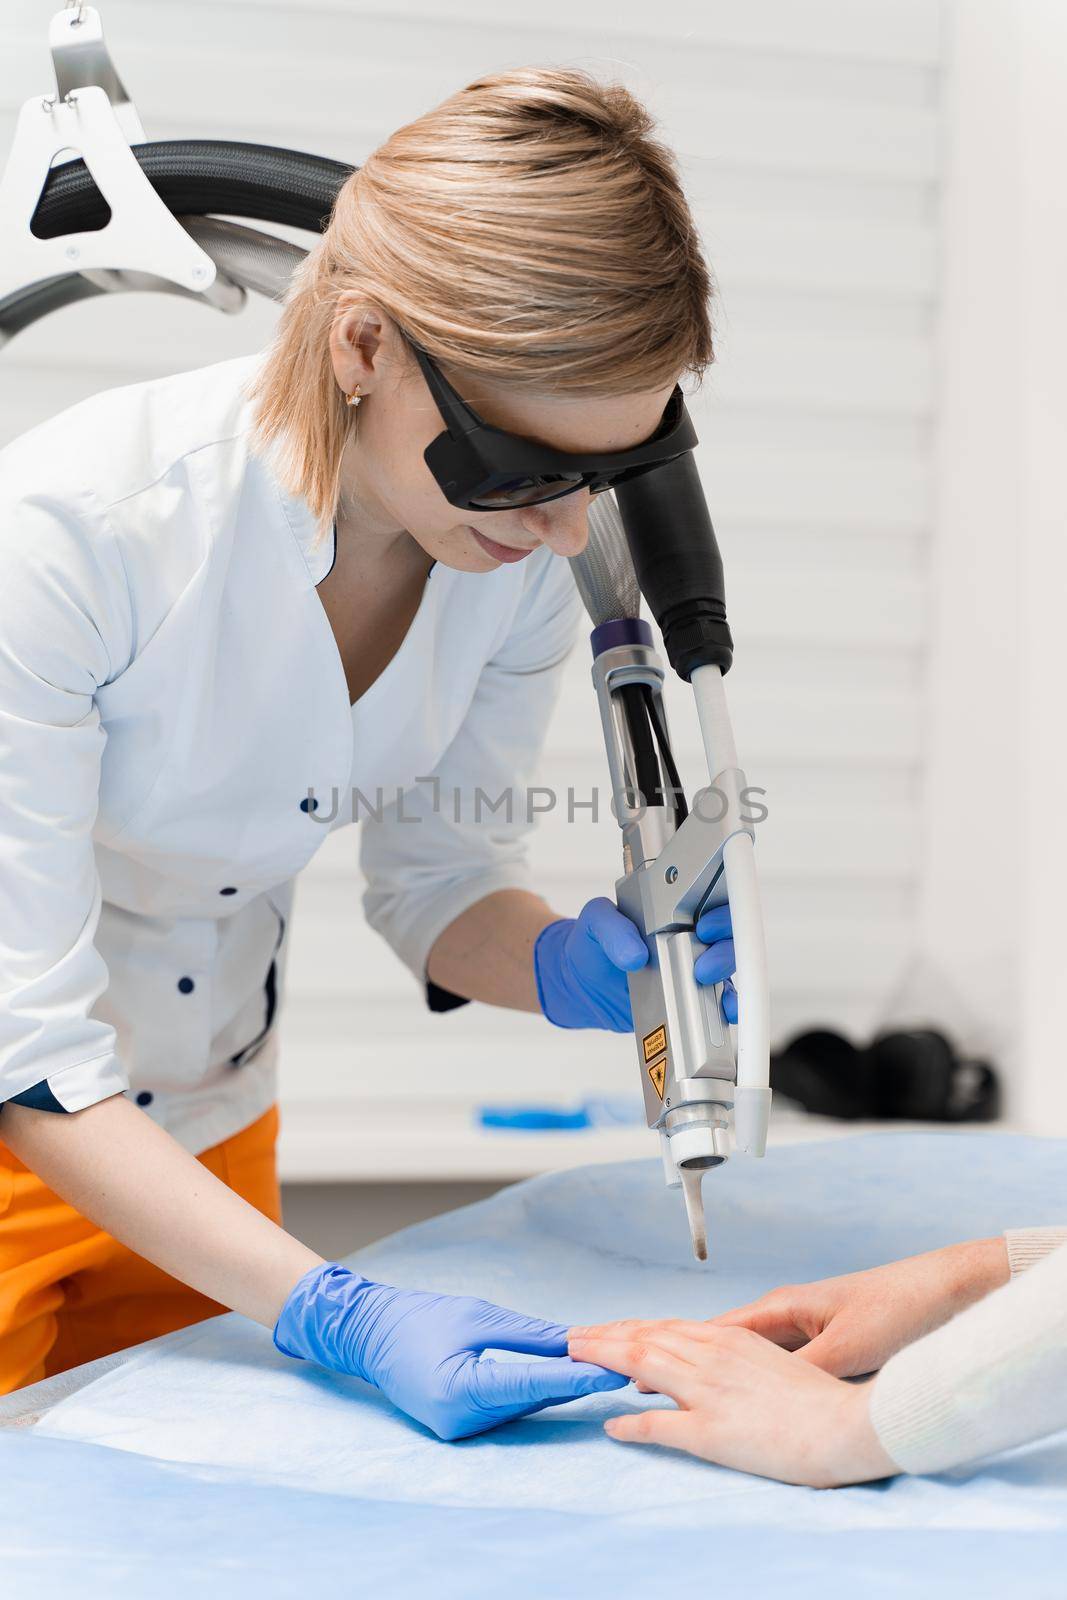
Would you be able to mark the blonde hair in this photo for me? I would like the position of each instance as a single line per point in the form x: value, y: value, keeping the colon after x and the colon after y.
x: 528, y: 231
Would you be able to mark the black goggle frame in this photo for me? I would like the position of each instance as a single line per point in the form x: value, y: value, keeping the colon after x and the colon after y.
x: 481, y: 468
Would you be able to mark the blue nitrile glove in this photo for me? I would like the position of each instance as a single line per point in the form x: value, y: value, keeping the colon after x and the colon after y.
x: 580, y: 966
x: 715, y: 964
x: 424, y: 1350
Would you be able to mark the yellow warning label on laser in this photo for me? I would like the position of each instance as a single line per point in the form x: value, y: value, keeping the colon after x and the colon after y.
x: 658, y: 1073
x: 654, y: 1044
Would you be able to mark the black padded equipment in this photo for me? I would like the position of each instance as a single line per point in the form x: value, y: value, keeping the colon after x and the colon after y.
x: 193, y: 178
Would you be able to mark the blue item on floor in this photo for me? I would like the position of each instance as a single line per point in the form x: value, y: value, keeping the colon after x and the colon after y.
x: 602, y: 1111
x: 529, y: 1119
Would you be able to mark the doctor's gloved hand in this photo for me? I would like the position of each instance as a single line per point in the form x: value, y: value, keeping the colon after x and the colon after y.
x: 580, y: 965
x: 717, y: 963
x: 424, y: 1351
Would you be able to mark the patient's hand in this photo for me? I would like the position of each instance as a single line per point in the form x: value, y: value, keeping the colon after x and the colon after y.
x: 741, y: 1401
x: 853, y: 1324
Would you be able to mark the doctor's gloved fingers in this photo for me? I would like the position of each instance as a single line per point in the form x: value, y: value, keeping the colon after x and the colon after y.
x: 510, y: 1385
x: 729, y: 1001
x: 714, y: 925
x: 501, y: 1329
x: 617, y: 936
x: 716, y: 963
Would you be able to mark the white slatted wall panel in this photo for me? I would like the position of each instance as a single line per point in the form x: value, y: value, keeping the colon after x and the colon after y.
x: 809, y: 140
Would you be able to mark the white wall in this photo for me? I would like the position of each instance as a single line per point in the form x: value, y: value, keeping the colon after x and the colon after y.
x: 993, y: 946
x: 811, y: 143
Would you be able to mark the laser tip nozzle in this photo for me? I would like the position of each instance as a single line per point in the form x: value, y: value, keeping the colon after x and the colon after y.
x: 694, y: 1209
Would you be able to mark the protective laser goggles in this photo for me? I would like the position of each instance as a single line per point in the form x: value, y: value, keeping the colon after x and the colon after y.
x: 485, y: 469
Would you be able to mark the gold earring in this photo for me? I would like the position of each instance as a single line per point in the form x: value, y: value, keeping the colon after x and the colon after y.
x: 355, y: 397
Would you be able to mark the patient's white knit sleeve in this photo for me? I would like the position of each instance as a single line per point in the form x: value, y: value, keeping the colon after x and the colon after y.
x: 1029, y: 1245
x: 993, y: 1377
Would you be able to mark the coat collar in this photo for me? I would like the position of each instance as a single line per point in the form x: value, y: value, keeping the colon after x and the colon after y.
x: 318, y: 557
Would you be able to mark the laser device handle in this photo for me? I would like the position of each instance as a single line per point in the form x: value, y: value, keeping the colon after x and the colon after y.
x: 753, y: 1097
x: 752, y: 1102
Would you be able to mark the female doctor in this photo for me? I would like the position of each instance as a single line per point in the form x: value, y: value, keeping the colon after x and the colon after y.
x: 232, y: 597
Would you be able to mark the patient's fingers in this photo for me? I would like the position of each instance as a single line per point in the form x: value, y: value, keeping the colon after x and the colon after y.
x: 774, y: 1320
x: 770, y: 1321
x: 673, y: 1428
x: 643, y: 1327
x: 834, y: 1351
x: 665, y: 1370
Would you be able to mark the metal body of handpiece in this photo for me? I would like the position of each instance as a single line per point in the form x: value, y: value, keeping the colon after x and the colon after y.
x: 679, y: 862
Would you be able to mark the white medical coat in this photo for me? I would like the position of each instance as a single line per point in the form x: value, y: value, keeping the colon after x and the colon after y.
x: 176, y: 741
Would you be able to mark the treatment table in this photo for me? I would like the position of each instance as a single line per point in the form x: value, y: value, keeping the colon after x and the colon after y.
x: 207, y: 1462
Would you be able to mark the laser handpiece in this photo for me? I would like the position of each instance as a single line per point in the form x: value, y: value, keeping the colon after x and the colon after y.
x: 653, y: 535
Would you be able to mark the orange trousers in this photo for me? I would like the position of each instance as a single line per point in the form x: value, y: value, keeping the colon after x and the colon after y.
x: 69, y: 1292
